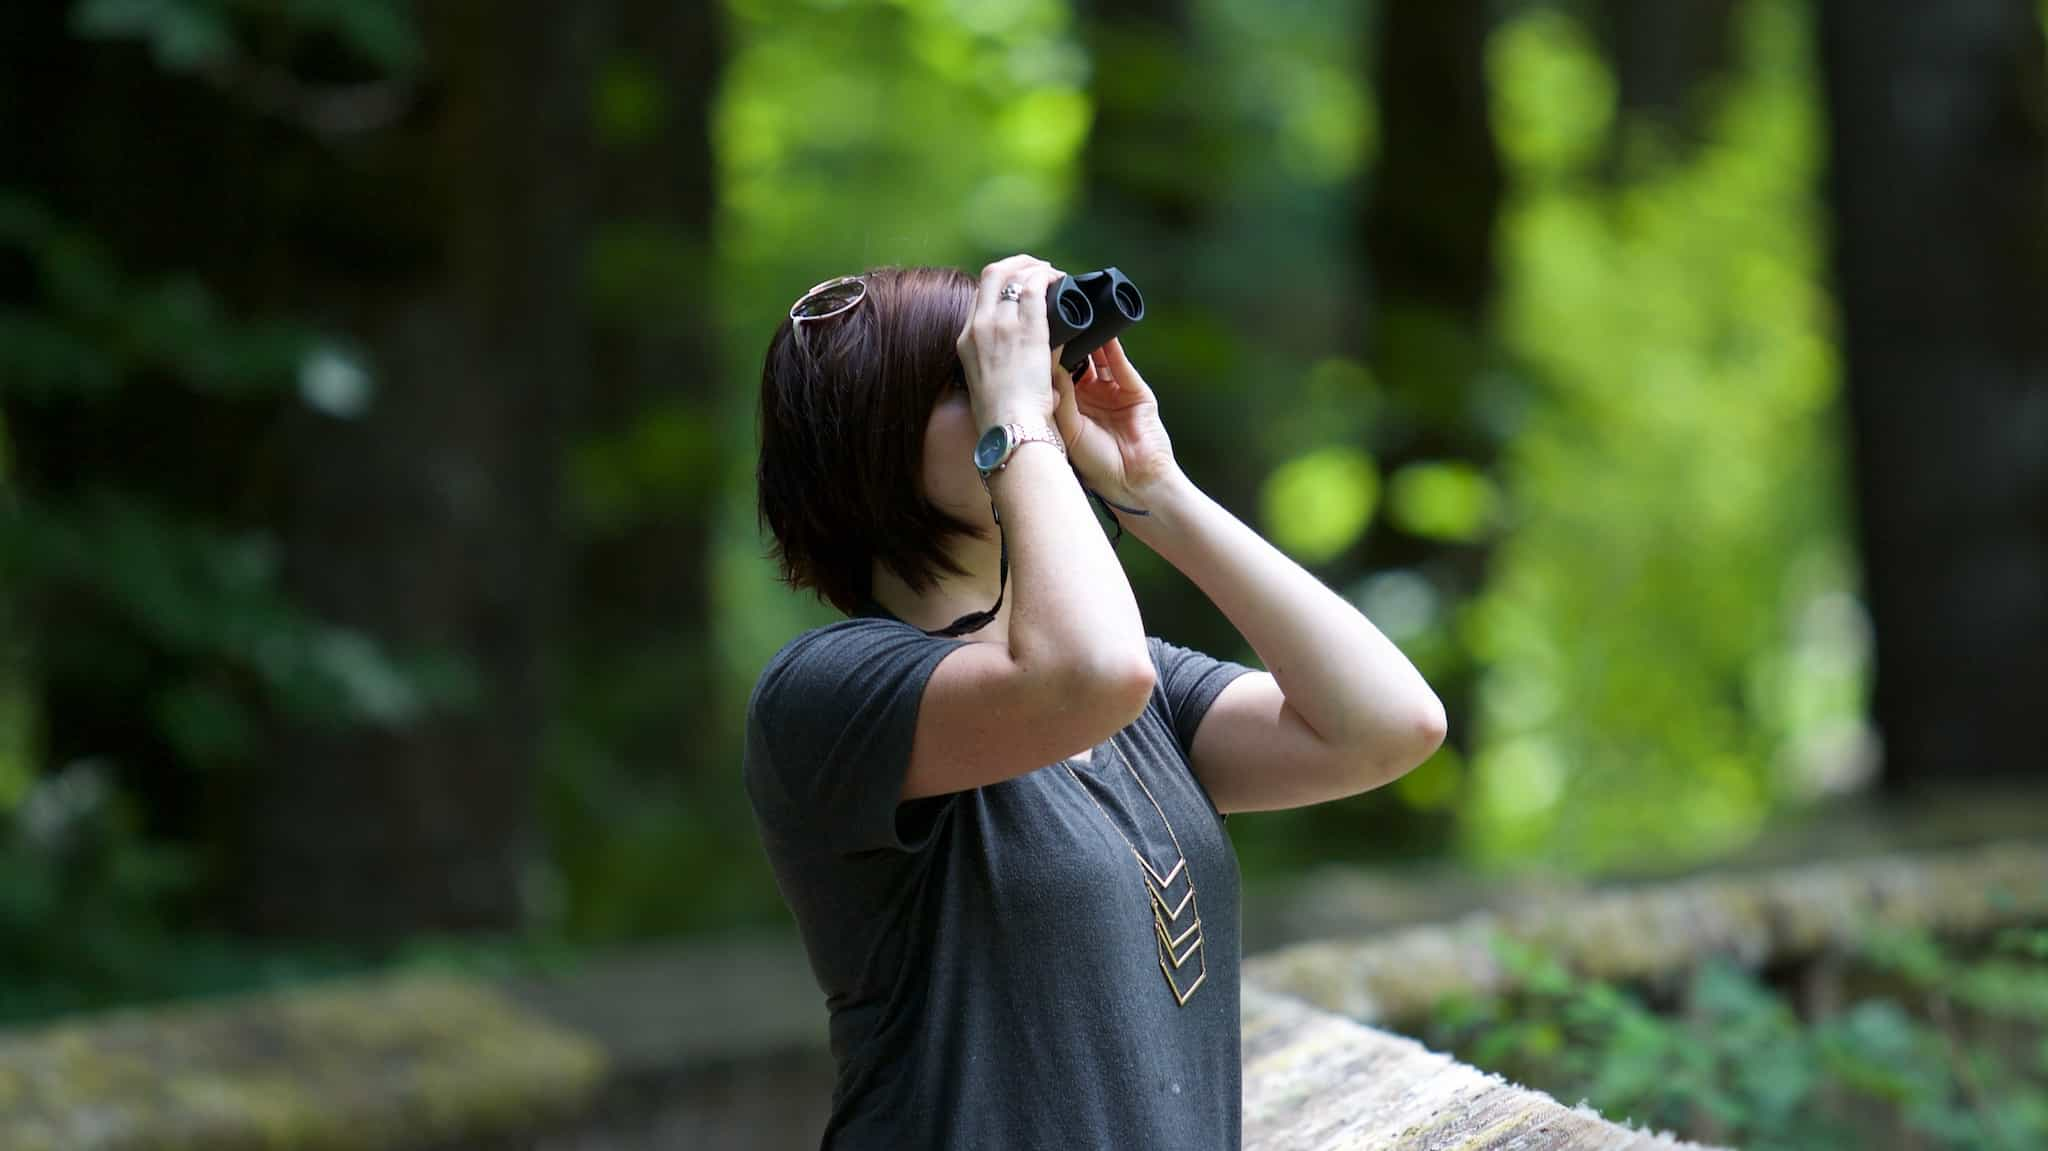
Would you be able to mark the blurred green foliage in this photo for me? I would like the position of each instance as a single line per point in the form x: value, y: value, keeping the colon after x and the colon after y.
x: 1317, y: 504
x: 846, y: 135
x: 1903, y: 1041
x: 202, y: 637
x: 849, y: 135
x: 86, y: 919
x: 210, y: 37
x: 205, y: 595
x: 1670, y: 640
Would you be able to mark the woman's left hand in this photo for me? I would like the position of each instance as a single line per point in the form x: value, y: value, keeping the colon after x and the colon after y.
x: 1110, y: 421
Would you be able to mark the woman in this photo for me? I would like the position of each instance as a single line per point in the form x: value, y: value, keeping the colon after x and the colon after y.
x: 1001, y: 828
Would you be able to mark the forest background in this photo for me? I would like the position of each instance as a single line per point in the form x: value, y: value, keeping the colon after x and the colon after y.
x: 379, y: 573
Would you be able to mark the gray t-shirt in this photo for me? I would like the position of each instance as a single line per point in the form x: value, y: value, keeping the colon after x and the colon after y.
x: 990, y: 957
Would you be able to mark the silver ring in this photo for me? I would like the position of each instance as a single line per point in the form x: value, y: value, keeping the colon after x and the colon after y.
x: 1011, y: 291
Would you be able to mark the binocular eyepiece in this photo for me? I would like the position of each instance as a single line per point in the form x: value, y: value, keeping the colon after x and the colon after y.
x: 1087, y: 311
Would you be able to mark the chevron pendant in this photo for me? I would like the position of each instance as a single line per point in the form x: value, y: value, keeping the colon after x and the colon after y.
x: 1177, y: 940
x: 1179, y: 996
x: 1175, y: 944
x: 1159, y: 901
x: 1183, y: 956
x: 1164, y: 881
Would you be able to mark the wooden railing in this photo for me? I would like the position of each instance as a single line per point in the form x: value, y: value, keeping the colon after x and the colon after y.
x: 721, y: 1045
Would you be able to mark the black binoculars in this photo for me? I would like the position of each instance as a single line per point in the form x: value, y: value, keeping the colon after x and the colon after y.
x: 1087, y: 311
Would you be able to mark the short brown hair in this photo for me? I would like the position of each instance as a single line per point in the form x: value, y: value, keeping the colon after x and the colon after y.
x: 844, y: 404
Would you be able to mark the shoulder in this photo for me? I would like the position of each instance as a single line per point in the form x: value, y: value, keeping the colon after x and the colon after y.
x: 834, y: 706
x: 816, y: 661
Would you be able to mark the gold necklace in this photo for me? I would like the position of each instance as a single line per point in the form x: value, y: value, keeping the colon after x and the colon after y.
x: 1164, y: 918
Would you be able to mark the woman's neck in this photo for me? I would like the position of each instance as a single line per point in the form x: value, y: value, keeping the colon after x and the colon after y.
x: 947, y: 601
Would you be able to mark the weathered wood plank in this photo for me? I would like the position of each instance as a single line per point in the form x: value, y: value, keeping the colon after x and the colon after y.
x: 1345, y: 900
x: 1664, y: 929
x: 1315, y: 1081
x: 412, y: 1062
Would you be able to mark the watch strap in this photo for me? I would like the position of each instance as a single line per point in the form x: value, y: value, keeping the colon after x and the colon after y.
x: 1021, y: 434
x: 1016, y: 435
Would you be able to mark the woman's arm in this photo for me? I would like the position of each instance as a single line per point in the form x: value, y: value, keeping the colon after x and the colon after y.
x: 1339, y: 710
x: 1074, y: 668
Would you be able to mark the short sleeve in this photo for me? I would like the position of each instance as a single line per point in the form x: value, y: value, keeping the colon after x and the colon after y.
x: 1189, y: 681
x: 829, y: 729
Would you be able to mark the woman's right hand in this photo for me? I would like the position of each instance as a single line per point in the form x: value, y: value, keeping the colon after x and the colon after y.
x: 1004, y: 349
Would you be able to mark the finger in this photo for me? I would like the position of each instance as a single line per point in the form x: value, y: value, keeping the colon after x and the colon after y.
x: 1032, y: 272
x: 1099, y: 371
x: 1088, y: 387
x: 1066, y: 409
x: 1053, y: 276
x: 1030, y: 319
x: 988, y: 294
x: 1099, y: 396
x: 984, y: 298
x: 1043, y: 278
x: 1119, y: 363
x: 1126, y: 372
x: 1029, y: 302
x: 1091, y: 372
x: 1019, y: 289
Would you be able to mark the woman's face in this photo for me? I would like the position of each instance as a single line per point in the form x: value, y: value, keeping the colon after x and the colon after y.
x: 950, y: 478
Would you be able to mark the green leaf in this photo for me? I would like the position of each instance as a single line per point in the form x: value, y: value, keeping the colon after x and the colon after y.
x: 382, y: 32
x: 1318, y: 504
x: 1446, y: 500
x: 628, y: 105
x: 183, y: 35
x: 205, y: 723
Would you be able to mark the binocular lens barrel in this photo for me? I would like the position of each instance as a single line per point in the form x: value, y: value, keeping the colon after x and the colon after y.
x: 1087, y: 311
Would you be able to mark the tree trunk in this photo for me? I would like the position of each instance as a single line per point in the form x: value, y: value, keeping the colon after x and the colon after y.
x: 1429, y: 224
x: 1939, y: 137
x: 1147, y: 132
x: 645, y: 691
x: 1664, y: 54
x: 431, y: 520
x: 1157, y: 163
x: 163, y: 195
x: 448, y: 244
x: 1429, y: 252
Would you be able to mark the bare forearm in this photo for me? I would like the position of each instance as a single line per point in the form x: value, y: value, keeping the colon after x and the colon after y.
x: 1346, y: 679
x: 1073, y: 607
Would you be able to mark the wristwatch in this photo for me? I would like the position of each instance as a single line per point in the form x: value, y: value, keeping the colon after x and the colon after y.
x: 992, y: 452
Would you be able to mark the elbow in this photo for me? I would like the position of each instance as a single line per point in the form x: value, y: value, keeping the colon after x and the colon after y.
x: 1131, y: 686
x: 1424, y: 732
x: 1409, y: 745
x: 1123, y: 687
x: 1430, y: 727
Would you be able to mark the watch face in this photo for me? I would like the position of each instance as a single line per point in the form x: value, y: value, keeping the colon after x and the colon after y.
x: 988, y: 452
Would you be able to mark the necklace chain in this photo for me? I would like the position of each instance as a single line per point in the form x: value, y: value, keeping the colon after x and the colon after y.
x: 1156, y: 896
x: 1148, y: 795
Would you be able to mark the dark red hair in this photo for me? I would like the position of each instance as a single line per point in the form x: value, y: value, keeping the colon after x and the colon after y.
x: 844, y: 404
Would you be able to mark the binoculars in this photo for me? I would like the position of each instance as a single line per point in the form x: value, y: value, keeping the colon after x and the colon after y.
x: 1087, y: 311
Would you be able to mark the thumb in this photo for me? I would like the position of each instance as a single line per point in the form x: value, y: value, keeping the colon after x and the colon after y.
x: 1066, y: 415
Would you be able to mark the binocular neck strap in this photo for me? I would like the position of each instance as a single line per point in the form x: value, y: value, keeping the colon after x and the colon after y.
x: 975, y: 621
